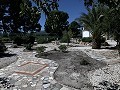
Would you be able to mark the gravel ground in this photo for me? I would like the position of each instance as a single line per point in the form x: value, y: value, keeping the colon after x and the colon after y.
x: 70, y: 71
x: 7, y: 58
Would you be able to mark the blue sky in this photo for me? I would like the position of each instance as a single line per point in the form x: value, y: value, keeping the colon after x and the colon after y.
x: 74, y: 8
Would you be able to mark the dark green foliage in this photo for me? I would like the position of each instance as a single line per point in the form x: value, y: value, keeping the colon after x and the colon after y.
x: 6, y: 39
x: 94, y: 21
x: 65, y: 38
x: 30, y: 39
x: 75, y: 28
x: 105, y: 44
x: 87, y: 39
x: 14, y: 46
x: 29, y: 16
x: 41, y: 40
x: 28, y: 46
x: 62, y: 48
x: 110, y: 3
x: 47, y: 5
x: 23, y: 13
x: 56, y: 22
x: 84, y: 62
x: 45, y: 39
x: 41, y: 50
x: 20, y: 39
x: 103, y: 40
x: 2, y: 47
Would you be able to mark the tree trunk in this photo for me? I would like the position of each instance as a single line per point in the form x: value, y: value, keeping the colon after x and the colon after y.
x: 96, y: 44
x: 118, y: 47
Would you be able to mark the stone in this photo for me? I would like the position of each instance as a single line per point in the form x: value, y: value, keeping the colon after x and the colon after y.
x: 64, y: 88
x: 42, y: 78
x: 46, y: 85
x: 51, y: 78
x: 55, y: 88
x: 15, y: 89
x: 45, y: 82
x: 46, y: 78
x: 1, y: 73
x: 33, y: 85
x: 24, y: 85
x: 85, y: 89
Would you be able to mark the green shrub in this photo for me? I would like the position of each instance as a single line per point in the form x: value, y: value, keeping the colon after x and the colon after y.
x: 41, y: 50
x: 65, y: 38
x: 2, y: 47
x: 28, y: 46
x: 20, y: 39
x: 14, y: 46
x: 45, y: 39
x: 41, y: 40
x: 87, y: 39
x: 102, y: 40
x: 29, y: 39
x: 6, y: 39
x: 105, y: 44
x: 62, y: 48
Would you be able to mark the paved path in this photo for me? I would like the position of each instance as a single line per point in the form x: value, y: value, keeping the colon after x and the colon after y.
x: 10, y: 79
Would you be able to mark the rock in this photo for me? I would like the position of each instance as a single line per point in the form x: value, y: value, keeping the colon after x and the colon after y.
x: 46, y: 85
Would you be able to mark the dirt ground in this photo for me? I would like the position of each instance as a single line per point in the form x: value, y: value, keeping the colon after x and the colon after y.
x: 73, y: 68
x: 7, y: 59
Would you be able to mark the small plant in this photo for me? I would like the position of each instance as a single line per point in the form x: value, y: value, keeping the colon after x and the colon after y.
x: 14, y: 46
x: 87, y: 39
x: 62, y: 48
x: 84, y: 62
x: 28, y: 46
x: 5, y: 39
x: 41, y: 50
x: 102, y: 40
x: 2, y: 47
x: 45, y: 39
x: 65, y: 38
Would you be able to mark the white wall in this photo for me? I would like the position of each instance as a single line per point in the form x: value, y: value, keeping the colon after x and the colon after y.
x: 85, y: 34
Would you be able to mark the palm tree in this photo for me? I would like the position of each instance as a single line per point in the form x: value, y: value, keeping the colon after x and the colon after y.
x: 93, y: 21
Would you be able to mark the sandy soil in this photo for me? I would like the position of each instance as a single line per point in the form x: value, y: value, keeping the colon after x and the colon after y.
x: 72, y: 72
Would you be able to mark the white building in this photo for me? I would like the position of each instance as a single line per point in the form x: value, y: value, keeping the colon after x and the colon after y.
x: 85, y: 33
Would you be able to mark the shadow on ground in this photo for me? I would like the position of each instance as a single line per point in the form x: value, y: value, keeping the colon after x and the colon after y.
x: 2, y: 55
x: 73, y: 68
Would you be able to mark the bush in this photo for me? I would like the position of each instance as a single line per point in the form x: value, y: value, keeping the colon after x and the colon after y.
x: 65, y: 38
x: 106, y: 44
x: 87, y: 39
x: 20, y: 39
x: 41, y: 40
x: 102, y: 40
x: 14, y: 46
x: 28, y: 46
x: 62, y: 48
x: 41, y: 50
x: 29, y: 39
x: 45, y: 39
x: 2, y: 47
x: 6, y: 39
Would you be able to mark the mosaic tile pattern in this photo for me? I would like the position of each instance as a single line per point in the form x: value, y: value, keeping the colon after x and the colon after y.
x: 30, y: 68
